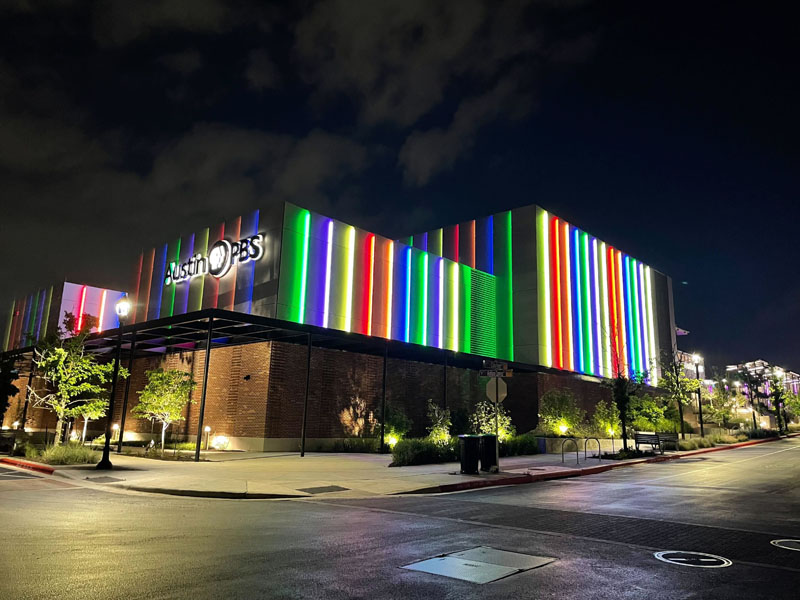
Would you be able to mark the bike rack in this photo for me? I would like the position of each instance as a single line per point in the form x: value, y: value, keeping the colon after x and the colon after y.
x: 577, y: 450
x: 599, y: 450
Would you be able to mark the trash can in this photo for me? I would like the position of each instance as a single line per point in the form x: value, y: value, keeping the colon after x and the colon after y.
x: 488, y: 452
x: 470, y: 450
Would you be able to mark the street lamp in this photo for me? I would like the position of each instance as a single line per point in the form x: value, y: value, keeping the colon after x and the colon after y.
x: 696, y: 358
x: 123, y: 309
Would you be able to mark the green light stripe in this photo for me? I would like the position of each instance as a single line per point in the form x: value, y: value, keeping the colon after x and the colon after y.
x: 466, y: 307
x: 173, y: 286
x: 46, y: 314
x: 634, y: 293
x: 424, y: 301
x: 301, y: 313
x: 34, y: 310
x: 510, y: 296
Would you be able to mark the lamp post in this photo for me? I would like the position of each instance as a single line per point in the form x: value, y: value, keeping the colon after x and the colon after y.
x: 123, y: 309
x: 696, y: 360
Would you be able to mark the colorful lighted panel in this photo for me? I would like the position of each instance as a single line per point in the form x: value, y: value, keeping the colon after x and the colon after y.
x: 337, y: 276
x: 31, y: 318
x: 177, y: 277
x: 595, y: 304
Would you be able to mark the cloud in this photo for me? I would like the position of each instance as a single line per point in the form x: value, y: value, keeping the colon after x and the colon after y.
x: 426, y: 153
x: 118, y: 22
x: 185, y: 63
x: 261, y: 72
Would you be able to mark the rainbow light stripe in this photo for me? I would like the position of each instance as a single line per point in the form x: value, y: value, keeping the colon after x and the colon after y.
x: 595, y: 309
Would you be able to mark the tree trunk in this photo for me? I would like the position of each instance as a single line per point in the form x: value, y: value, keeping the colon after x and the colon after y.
x: 59, y: 427
x: 680, y: 416
x: 163, y: 432
x: 85, y: 423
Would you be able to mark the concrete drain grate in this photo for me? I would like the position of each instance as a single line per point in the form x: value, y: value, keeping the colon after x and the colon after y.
x: 324, y: 489
x: 480, y: 565
x: 104, y: 479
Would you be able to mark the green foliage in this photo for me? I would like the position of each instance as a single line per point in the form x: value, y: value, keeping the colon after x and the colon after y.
x: 69, y: 454
x: 358, y: 445
x: 8, y: 374
x: 164, y: 397
x: 520, y: 445
x: 605, y: 420
x: 644, y: 406
x: 72, y: 376
x: 758, y: 434
x: 630, y: 453
x: 397, y: 423
x: 483, y: 420
x: 559, y: 413
x: 643, y: 424
x: 423, y: 452
x: 439, y: 431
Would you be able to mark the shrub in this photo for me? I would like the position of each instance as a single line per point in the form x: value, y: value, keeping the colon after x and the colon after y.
x: 360, y: 445
x: 605, y: 420
x: 423, y: 452
x: 483, y: 420
x: 69, y: 454
x: 704, y: 443
x: 794, y: 427
x: 520, y: 445
x: 439, y: 431
x: 559, y: 412
x: 724, y: 439
x: 665, y: 425
x: 641, y: 423
x: 631, y: 453
x: 759, y: 434
x: 689, y: 444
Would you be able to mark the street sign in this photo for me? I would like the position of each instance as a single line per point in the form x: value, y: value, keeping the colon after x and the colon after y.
x: 693, y: 559
x: 493, y: 373
x: 495, y: 387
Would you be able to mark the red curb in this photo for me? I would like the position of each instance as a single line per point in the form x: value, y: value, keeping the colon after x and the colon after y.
x: 23, y: 464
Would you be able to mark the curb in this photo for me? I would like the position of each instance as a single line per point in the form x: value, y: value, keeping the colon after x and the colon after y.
x: 210, y: 494
x: 522, y: 479
x: 24, y: 464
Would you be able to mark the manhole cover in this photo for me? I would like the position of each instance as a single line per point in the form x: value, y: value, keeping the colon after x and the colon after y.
x: 479, y: 565
x: 693, y: 559
x: 787, y: 544
x: 103, y: 479
x: 324, y: 489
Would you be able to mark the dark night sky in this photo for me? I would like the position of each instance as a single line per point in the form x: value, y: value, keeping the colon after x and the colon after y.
x: 666, y: 129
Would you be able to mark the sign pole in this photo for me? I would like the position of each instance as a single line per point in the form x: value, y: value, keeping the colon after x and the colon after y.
x: 496, y: 428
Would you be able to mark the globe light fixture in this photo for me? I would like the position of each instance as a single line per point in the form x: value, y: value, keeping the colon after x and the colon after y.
x: 123, y: 308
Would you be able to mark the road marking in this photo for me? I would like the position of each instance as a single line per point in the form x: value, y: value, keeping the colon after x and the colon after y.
x: 787, y: 544
x: 693, y: 559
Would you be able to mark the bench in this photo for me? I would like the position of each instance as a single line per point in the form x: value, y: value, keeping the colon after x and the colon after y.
x: 651, y: 439
x: 667, y: 437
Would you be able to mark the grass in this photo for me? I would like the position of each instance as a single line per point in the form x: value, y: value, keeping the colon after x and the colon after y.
x: 66, y: 454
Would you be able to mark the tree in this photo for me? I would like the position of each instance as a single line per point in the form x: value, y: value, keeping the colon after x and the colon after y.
x: 559, y: 412
x: 483, y: 420
x: 72, y: 376
x: 606, y: 418
x: 164, y: 397
x: 721, y: 404
x: 678, y: 386
x: 90, y: 410
x: 623, y: 386
x: 439, y: 431
x: 8, y: 375
x: 777, y: 395
x: 752, y: 382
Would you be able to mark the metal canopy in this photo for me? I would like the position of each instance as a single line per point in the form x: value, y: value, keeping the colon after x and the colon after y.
x: 188, y: 332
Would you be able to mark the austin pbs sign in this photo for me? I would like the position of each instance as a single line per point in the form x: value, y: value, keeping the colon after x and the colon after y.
x: 221, y: 258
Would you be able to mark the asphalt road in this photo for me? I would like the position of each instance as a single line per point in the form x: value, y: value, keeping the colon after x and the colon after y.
x: 62, y: 541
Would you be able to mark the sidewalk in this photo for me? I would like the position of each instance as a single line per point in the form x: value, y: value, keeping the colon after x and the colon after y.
x: 282, y: 475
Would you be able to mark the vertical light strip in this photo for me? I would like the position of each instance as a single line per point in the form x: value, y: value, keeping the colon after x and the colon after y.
x: 543, y: 260
x: 102, y: 311
x: 645, y: 336
x: 371, y: 282
x: 579, y: 325
x: 328, y: 259
x: 390, y: 279
x: 301, y: 316
x: 559, y: 337
x: 472, y: 257
x: 598, y: 315
x: 568, y: 296
x: 490, y: 242
x: 408, y: 295
x: 650, y: 325
x: 637, y: 334
x: 621, y: 318
x: 626, y: 278
x: 46, y: 314
x: 348, y: 307
x: 455, y: 323
x: 425, y: 299
x: 456, y: 244
x: 510, y: 296
x: 586, y: 287
x: 441, y: 302
x: 607, y: 339
x: 80, y: 308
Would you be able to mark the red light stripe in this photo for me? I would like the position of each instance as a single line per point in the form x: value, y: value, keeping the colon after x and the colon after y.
x: 555, y: 291
x: 455, y: 245
x: 566, y: 298
x: 472, y: 249
x: 612, y: 296
x: 80, y: 309
x: 369, y: 264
